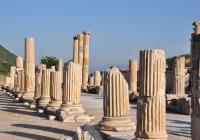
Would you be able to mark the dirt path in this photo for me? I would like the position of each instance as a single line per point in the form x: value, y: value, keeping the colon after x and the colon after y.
x: 20, y: 123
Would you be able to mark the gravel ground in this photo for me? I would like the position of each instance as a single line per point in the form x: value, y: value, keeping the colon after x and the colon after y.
x: 20, y: 123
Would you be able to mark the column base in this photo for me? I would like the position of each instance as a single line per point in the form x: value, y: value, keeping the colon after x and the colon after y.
x: 27, y: 96
x: 74, y: 113
x: 54, y: 104
x: 153, y: 136
x: 118, y: 124
x: 72, y: 109
x: 44, y: 101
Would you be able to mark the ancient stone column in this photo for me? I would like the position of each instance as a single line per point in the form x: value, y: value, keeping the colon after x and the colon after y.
x: 22, y: 82
x: 116, y: 103
x: 37, y: 85
x: 75, y: 50
x: 29, y: 68
x: 19, y: 62
x: 38, y: 79
x: 179, y: 76
x: 195, y: 80
x: 12, y: 76
x: 151, y: 104
x: 55, y: 90
x: 133, y: 76
x: 72, y: 90
x: 97, y: 78
x: 60, y: 68
x: 15, y: 82
x: 19, y: 79
x: 80, y: 49
x: 85, y: 59
x: 45, y: 88
x: 91, y: 80
x: 71, y: 110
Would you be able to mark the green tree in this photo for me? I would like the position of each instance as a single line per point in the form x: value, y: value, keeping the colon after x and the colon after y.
x: 49, y: 61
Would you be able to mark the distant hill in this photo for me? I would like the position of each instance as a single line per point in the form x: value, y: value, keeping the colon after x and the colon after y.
x: 7, y: 59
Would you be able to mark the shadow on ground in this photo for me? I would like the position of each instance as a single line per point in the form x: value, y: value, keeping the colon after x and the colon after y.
x: 27, y: 135
x: 183, y: 130
x: 46, y: 128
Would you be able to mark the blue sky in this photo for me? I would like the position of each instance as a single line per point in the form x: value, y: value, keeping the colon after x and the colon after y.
x: 119, y: 28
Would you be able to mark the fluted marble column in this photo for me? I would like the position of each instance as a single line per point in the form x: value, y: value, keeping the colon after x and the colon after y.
x: 19, y: 80
x: 19, y: 62
x: 38, y: 79
x: 97, y: 78
x: 55, y: 90
x: 71, y: 110
x: 91, y: 80
x: 85, y: 59
x: 116, y: 103
x: 151, y: 104
x: 80, y: 49
x: 179, y: 76
x: 22, y: 81
x: 12, y: 77
x: 195, y: 80
x: 29, y: 69
x: 15, y: 82
x: 133, y: 76
x: 45, y: 88
x: 37, y: 85
x: 75, y: 50
x: 72, y: 90
x: 60, y: 68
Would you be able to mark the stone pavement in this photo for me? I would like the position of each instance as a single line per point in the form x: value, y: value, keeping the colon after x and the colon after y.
x: 17, y: 122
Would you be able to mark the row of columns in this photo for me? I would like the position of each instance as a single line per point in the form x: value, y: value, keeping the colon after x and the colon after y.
x: 81, y: 54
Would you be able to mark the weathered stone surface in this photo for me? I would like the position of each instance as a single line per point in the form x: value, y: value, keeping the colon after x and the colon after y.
x: 87, y: 132
x: 55, y: 90
x: 72, y: 91
x: 80, y: 49
x: 133, y: 76
x: 179, y: 104
x: 22, y: 82
x: 179, y: 76
x: 71, y: 96
x: 19, y: 62
x: 91, y: 80
x: 83, y: 118
x: 195, y: 52
x: 116, y: 103
x: 85, y: 59
x: 71, y: 107
x: 45, y: 88
x: 75, y: 50
x: 60, y: 68
x: 38, y: 79
x: 29, y: 69
x: 151, y: 108
x: 12, y: 76
x: 97, y: 78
